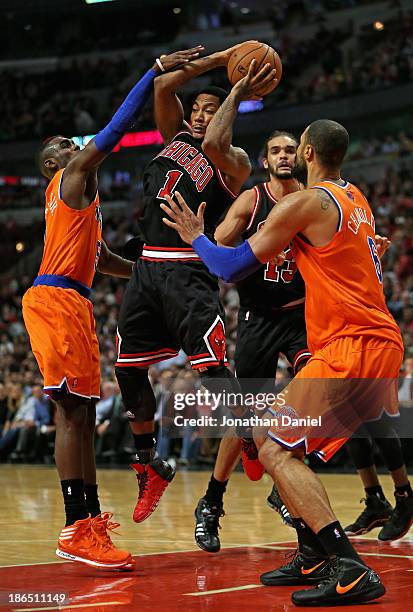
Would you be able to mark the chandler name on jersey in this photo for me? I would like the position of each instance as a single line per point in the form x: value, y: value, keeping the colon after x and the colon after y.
x: 182, y: 166
x: 271, y: 286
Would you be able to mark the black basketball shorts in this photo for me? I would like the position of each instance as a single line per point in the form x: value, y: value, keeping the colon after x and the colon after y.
x: 169, y: 305
x: 263, y: 335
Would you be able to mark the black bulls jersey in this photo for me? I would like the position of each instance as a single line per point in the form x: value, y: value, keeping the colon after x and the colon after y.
x: 182, y: 166
x: 271, y: 286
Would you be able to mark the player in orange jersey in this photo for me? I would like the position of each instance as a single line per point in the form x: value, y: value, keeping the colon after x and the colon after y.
x: 356, y: 346
x: 58, y: 315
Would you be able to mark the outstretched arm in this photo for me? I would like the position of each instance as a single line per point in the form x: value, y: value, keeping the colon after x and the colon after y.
x: 112, y: 264
x: 292, y: 215
x: 80, y: 174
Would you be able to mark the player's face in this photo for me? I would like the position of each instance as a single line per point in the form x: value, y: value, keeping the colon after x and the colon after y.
x: 203, y: 109
x: 281, y: 155
x: 62, y: 150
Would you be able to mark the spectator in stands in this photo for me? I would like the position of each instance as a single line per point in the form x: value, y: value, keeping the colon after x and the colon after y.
x: 3, y: 406
x: 20, y: 419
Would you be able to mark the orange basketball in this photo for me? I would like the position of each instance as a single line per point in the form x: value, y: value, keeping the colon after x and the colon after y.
x: 242, y: 57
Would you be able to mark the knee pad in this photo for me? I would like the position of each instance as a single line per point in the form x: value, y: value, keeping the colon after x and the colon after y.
x: 218, y: 379
x: 137, y: 394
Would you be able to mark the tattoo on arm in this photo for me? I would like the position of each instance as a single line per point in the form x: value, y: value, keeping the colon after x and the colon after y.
x: 324, y: 200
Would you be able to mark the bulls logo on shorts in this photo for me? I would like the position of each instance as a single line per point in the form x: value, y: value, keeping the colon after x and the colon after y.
x: 215, y: 341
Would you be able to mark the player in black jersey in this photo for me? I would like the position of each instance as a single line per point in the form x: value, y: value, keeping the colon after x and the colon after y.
x: 172, y: 300
x: 270, y: 321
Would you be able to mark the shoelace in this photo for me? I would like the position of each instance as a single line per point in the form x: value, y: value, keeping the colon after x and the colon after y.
x: 100, y: 526
x: 249, y: 448
x: 364, y: 514
x: 295, y: 557
x: 143, y: 483
x: 212, y: 518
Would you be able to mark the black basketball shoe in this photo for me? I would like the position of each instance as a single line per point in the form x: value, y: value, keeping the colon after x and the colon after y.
x: 375, y: 514
x: 350, y: 582
x: 400, y: 520
x: 207, y: 525
x: 305, y: 567
x: 276, y: 503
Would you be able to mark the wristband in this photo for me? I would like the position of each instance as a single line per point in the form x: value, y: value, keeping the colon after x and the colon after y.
x: 161, y: 68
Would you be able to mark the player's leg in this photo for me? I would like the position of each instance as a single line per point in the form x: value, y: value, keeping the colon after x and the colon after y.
x: 248, y: 352
x: 389, y: 445
x: 311, y: 503
x: 377, y: 509
x: 141, y: 341
x: 292, y: 342
x: 304, y: 493
x: 89, y: 460
x: 70, y: 424
x: 59, y: 342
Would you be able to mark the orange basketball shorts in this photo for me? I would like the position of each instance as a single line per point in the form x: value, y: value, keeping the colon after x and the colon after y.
x: 62, y: 334
x: 350, y: 381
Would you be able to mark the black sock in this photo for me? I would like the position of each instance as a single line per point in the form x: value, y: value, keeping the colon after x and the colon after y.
x: 404, y: 491
x: 336, y: 542
x: 74, y: 498
x: 215, y: 492
x: 92, y: 499
x: 145, y: 447
x: 307, y: 537
x: 376, y: 491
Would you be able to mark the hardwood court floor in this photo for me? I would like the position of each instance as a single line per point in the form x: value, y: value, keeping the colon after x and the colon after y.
x: 172, y: 573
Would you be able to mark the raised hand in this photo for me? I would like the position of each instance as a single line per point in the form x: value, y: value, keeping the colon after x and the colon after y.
x: 247, y: 87
x: 182, y: 219
x: 382, y: 244
x: 171, y: 61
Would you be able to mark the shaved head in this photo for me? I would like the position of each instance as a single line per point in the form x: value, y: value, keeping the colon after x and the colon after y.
x: 330, y: 141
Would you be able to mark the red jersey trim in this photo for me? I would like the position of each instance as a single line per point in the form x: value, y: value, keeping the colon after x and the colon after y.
x: 255, y: 208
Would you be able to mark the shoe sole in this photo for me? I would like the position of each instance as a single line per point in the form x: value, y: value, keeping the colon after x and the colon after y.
x: 125, y: 565
x: 397, y: 537
x: 206, y: 549
x: 373, y: 525
x: 344, y: 600
x: 292, y: 582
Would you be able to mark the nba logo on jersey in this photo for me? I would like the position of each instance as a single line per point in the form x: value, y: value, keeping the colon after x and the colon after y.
x: 350, y: 196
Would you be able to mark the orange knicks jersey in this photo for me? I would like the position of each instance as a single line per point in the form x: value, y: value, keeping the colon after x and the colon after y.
x: 73, y: 237
x: 344, y: 280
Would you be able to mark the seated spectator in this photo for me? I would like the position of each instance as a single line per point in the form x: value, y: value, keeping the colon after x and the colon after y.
x: 113, y: 434
x: 19, y: 421
x: 3, y: 406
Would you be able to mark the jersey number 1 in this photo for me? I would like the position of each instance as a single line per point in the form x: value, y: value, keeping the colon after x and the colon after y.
x: 171, y: 181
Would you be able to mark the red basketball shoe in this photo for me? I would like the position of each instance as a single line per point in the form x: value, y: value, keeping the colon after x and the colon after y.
x: 153, y: 478
x: 250, y: 462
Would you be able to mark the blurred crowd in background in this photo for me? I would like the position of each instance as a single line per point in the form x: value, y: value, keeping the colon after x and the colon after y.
x: 41, y: 104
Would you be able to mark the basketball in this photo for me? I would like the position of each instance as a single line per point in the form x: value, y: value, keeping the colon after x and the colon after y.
x: 242, y: 57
